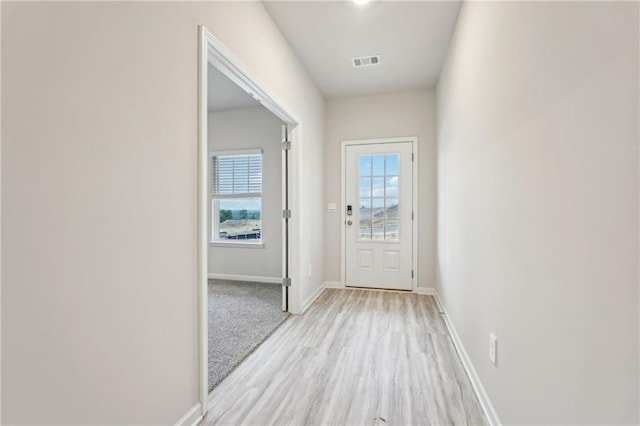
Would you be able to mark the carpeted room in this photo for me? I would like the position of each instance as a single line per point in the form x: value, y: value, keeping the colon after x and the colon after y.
x: 241, y: 315
x: 245, y: 302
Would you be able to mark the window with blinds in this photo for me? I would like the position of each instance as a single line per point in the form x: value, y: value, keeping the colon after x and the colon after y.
x: 236, y: 174
x: 236, y: 197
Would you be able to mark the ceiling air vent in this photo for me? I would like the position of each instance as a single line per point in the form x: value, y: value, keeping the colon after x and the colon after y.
x: 366, y: 61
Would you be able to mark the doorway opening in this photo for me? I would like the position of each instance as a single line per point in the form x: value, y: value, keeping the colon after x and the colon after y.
x: 379, y: 200
x: 247, y: 155
x: 244, y: 291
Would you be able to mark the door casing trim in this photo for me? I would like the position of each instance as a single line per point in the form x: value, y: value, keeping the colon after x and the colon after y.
x: 414, y: 202
x: 211, y: 50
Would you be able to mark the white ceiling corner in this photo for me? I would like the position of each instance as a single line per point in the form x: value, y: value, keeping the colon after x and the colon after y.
x: 411, y: 38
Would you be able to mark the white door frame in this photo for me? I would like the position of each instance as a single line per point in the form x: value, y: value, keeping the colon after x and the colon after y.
x: 212, y: 51
x: 414, y: 195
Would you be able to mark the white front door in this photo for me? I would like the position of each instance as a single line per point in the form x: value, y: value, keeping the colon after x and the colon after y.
x: 378, y: 215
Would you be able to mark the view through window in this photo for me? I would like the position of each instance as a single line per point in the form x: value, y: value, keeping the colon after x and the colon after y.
x: 236, y: 196
x: 378, y: 197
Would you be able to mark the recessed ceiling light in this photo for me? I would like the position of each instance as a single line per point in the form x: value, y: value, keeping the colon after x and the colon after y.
x: 361, y: 1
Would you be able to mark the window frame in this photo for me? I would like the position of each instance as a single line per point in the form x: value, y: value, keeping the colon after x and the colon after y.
x: 384, y: 197
x: 214, y: 203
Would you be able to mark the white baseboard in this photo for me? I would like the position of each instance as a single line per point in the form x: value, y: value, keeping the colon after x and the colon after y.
x: 426, y: 291
x: 251, y: 278
x: 476, y: 384
x: 333, y: 284
x: 192, y: 417
x: 312, y: 298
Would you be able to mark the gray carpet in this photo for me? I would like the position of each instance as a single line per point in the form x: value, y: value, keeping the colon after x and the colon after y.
x: 241, y: 316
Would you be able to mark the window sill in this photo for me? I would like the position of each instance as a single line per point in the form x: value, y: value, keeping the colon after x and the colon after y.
x: 256, y: 245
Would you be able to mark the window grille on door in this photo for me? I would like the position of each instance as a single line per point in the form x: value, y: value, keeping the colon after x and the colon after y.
x: 378, y: 180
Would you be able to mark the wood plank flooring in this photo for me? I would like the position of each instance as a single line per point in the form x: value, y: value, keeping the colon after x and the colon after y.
x: 356, y: 357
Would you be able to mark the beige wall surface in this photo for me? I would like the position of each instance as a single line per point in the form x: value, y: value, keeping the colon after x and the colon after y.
x: 99, y: 180
x: 0, y: 214
x: 251, y: 128
x: 538, y: 206
x: 392, y: 115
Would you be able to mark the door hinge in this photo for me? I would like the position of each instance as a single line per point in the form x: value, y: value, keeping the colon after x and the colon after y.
x: 286, y: 214
x: 286, y: 144
x: 412, y: 273
x: 286, y: 281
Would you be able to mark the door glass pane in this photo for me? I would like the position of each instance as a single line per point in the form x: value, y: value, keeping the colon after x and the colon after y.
x: 391, y: 163
x: 378, y: 165
x: 391, y: 186
x: 378, y: 197
x: 377, y: 228
x: 391, y: 219
x: 377, y: 203
x: 378, y: 187
x: 364, y: 222
x: 377, y: 218
x: 365, y: 187
x: 364, y: 165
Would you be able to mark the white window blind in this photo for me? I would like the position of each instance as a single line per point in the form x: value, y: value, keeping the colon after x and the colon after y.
x: 236, y: 174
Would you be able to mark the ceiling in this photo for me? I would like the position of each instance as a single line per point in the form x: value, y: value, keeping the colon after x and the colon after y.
x: 228, y: 95
x: 411, y: 38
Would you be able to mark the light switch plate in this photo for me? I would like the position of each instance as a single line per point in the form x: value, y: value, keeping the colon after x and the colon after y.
x: 331, y: 207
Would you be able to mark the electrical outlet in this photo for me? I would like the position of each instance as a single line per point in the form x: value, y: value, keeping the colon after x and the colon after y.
x: 493, y: 348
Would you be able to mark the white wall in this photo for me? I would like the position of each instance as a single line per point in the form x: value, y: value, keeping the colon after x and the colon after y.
x: 538, y: 205
x: 99, y: 178
x: 397, y: 114
x: 0, y: 214
x: 251, y: 128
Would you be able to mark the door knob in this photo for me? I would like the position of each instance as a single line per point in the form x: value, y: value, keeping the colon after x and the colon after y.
x: 349, y: 223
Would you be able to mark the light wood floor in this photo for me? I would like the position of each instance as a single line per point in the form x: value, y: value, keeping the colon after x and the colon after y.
x: 355, y: 358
